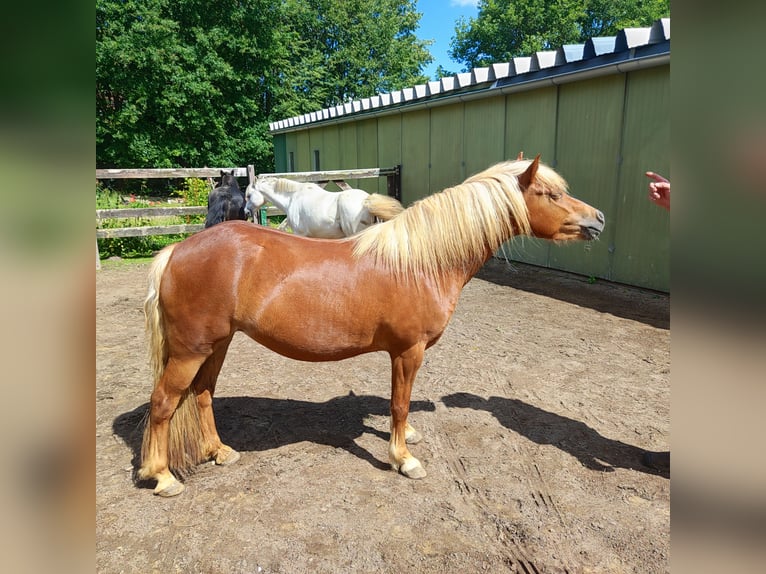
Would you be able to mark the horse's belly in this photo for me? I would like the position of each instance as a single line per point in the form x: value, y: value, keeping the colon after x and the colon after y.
x: 310, y: 325
x: 310, y: 341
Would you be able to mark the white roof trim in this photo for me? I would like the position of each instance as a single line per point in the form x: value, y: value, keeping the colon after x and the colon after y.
x: 542, y: 62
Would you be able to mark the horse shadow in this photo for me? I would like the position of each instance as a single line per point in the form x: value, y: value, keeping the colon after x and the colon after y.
x: 593, y: 450
x: 258, y: 424
x: 645, y: 306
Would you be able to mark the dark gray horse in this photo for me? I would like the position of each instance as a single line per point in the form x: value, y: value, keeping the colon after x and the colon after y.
x: 226, y: 201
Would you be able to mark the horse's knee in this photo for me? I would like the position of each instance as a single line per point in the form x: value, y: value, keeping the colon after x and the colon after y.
x: 162, y: 407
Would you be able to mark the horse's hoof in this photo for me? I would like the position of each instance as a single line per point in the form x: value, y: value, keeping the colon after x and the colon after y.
x: 172, y: 488
x: 413, y: 469
x: 413, y: 437
x: 227, y: 456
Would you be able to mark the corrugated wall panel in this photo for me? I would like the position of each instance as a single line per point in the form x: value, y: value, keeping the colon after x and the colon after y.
x: 642, y: 229
x: 316, y: 143
x: 389, y: 146
x: 280, y: 152
x: 366, y: 152
x: 415, y: 155
x: 303, y: 152
x: 590, y: 115
x: 446, y: 161
x: 291, y: 146
x: 530, y: 126
x: 347, y: 145
x: 330, y: 154
x: 483, y: 134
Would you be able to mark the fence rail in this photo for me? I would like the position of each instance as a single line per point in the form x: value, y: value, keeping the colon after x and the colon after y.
x: 338, y: 177
x: 168, y: 173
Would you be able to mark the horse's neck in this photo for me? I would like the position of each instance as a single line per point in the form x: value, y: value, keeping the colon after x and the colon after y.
x: 279, y: 198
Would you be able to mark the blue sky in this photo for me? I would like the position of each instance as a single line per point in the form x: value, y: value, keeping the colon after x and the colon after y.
x: 438, y: 24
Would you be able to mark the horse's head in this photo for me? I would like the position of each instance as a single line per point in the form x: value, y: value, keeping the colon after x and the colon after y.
x: 228, y: 179
x: 553, y: 213
x: 253, y: 199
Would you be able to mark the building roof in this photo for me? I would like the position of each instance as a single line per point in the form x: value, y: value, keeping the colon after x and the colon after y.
x: 630, y: 49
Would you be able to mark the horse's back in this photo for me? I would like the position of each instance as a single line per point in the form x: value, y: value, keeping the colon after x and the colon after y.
x: 225, y: 202
x: 314, y: 213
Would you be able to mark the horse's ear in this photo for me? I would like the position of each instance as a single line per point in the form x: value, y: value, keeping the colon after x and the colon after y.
x: 223, y: 173
x: 526, y: 178
x: 520, y: 156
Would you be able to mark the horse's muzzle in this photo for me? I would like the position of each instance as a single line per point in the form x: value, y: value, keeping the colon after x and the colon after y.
x: 592, y: 228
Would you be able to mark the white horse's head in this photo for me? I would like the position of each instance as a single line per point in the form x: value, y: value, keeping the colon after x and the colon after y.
x: 254, y: 199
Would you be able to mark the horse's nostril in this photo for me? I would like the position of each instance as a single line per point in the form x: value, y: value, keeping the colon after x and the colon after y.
x: 600, y: 216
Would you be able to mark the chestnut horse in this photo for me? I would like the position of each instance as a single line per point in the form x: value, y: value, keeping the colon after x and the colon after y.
x: 393, y: 287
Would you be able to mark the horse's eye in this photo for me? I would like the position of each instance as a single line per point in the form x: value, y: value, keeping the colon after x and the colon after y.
x: 555, y: 196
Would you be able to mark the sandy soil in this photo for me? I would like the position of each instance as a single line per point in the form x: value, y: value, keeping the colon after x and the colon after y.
x: 536, y: 407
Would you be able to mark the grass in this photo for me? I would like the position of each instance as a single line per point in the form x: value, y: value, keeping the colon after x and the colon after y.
x: 118, y: 263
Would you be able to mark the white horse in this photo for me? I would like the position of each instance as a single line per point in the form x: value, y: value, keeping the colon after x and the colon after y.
x: 315, y: 212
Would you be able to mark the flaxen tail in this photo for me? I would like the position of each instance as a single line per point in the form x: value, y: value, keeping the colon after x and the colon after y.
x: 154, y: 326
x: 383, y: 207
x: 185, y: 440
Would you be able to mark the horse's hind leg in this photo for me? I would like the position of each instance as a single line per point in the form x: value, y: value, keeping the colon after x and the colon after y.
x: 173, y: 385
x: 204, y: 387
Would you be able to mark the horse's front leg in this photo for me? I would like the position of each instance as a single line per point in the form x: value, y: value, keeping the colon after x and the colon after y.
x: 404, y: 367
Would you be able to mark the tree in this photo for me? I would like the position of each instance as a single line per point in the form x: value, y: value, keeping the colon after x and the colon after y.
x: 178, y: 83
x: 353, y: 49
x: 504, y: 29
x: 194, y: 83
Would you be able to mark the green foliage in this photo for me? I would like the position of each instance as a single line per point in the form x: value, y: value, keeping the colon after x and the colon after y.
x: 107, y: 198
x: 189, y: 83
x: 178, y: 83
x: 132, y: 247
x: 194, y: 191
x: 504, y: 29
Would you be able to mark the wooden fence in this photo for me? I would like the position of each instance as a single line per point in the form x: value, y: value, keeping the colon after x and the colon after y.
x: 338, y: 177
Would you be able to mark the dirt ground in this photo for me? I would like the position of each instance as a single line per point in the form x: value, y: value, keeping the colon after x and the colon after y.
x: 535, y: 407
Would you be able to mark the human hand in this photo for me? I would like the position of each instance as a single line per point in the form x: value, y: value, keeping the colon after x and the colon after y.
x: 659, y: 190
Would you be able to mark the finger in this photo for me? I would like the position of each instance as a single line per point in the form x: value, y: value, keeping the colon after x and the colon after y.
x: 656, y: 177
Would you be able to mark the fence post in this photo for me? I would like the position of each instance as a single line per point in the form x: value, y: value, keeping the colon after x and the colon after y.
x: 394, y: 183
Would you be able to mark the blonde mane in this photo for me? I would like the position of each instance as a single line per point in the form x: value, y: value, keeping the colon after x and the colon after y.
x: 456, y: 227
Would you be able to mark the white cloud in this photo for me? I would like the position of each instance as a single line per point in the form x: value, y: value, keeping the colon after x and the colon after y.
x: 473, y: 3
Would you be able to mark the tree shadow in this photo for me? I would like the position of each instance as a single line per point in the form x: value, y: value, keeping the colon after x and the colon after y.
x: 259, y: 424
x: 645, y: 306
x: 593, y: 450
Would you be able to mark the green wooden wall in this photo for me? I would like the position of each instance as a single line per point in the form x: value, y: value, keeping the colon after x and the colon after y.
x: 601, y: 134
